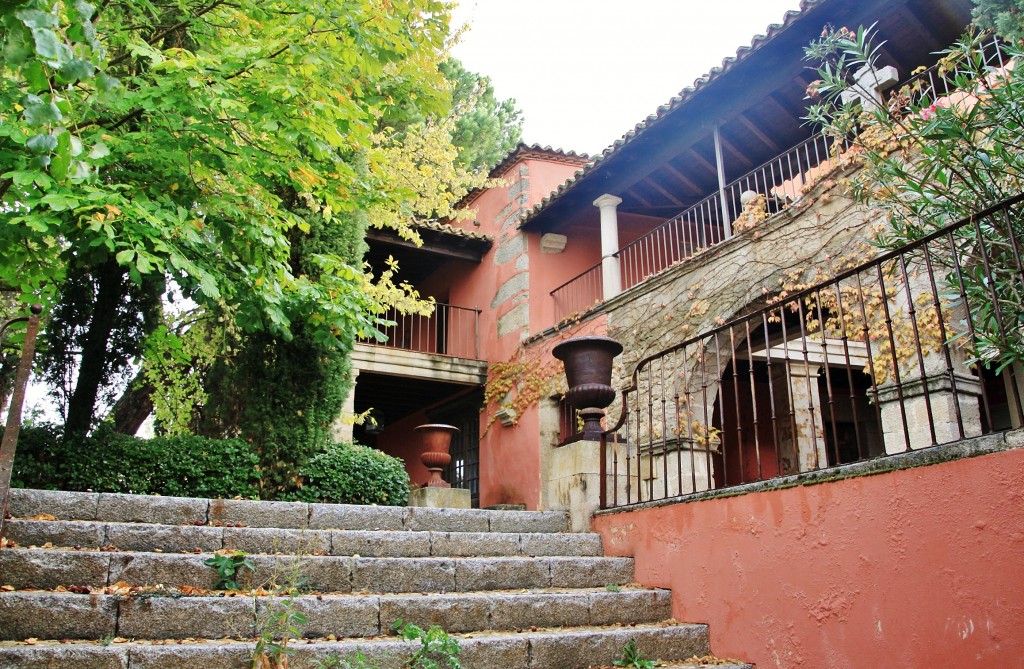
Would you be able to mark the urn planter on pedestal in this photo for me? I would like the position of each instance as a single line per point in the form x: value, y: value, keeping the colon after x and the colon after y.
x: 437, y: 437
x: 588, y: 371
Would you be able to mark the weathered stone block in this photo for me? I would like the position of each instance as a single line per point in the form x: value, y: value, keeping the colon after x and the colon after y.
x: 169, y: 539
x: 343, y: 616
x: 513, y: 321
x: 272, y: 540
x: 25, y: 503
x: 501, y: 574
x: 56, y: 615
x: 589, y: 572
x: 119, y: 508
x: 511, y: 249
x: 353, y: 517
x: 521, y: 611
x: 193, y: 656
x: 63, y: 655
x: 260, y: 513
x: 47, y: 568
x: 517, y: 284
x: 630, y: 606
x: 455, y: 613
x: 159, y: 568
x: 473, y: 543
x: 380, y: 544
x: 584, y: 648
x: 187, y: 617
x: 323, y: 573
x: 403, y: 575
x: 441, y: 498
x: 380, y: 653
x: 58, y: 533
x: 562, y: 544
x: 505, y: 651
x: 529, y: 521
x: 446, y: 520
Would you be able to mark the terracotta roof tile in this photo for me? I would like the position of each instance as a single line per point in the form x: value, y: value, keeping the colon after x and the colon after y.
x: 447, y: 228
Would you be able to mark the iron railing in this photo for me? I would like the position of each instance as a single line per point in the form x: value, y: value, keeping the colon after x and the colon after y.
x: 449, y: 330
x: 781, y: 181
x: 13, y: 426
x: 915, y: 348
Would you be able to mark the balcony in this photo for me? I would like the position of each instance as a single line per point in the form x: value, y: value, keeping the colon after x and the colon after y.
x: 449, y: 331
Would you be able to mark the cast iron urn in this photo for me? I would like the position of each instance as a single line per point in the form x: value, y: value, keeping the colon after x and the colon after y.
x: 437, y: 437
x: 588, y: 371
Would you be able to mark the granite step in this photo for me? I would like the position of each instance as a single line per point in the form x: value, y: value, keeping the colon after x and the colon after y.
x: 367, y: 543
x: 48, y: 568
x: 557, y: 648
x: 167, y: 615
x: 119, y: 508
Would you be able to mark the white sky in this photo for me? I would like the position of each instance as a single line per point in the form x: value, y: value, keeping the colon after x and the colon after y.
x: 584, y: 72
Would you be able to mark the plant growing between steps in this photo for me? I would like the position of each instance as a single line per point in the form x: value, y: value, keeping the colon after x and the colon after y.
x: 229, y: 566
x: 438, y: 649
x: 281, y: 623
x: 633, y: 658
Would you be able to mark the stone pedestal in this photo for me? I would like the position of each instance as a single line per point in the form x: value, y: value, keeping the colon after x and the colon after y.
x: 574, y: 482
x: 942, y: 403
x: 441, y: 498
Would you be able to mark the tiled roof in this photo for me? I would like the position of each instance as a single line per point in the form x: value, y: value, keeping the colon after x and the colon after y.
x: 446, y: 228
x: 679, y: 100
x: 520, y: 152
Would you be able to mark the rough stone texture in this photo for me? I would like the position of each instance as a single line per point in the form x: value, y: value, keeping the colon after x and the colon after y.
x: 56, y: 615
x: 630, y: 606
x: 193, y: 656
x: 517, y: 284
x: 582, y: 572
x: 59, y: 533
x: 380, y: 544
x: 351, y: 517
x: 523, y: 263
x: 403, y: 575
x: 473, y: 543
x: 501, y: 574
x: 160, y: 568
x: 25, y: 503
x: 273, y: 540
x: 118, y: 508
x: 344, y: 616
x: 441, y: 498
x: 380, y: 654
x: 529, y: 521
x: 64, y: 655
x: 169, y: 539
x: 45, y: 568
x: 447, y: 520
x: 455, y: 613
x: 583, y: 648
x: 540, y: 610
x: 322, y: 573
x: 514, y: 247
x: 506, y: 652
x: 562, y: 544
x: 516, y: 319
x: 172, y: 618
x: 260, y: 514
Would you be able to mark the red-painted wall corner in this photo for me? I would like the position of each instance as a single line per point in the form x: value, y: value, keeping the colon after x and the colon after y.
x: 920, y: 568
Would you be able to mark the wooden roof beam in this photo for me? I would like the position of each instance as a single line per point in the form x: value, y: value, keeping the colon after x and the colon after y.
x: 658, y: 187
x: 683, y: 179
x: 756, y: 132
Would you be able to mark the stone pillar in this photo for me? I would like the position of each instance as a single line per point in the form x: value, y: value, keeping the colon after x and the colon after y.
x: 610, y: 244
x: 810, y: 430
x: 341, y: 428
x: 943, y: 405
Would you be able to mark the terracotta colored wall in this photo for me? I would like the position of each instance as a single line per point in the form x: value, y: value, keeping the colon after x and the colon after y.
x: 920, y: 568
x: 401, y: 441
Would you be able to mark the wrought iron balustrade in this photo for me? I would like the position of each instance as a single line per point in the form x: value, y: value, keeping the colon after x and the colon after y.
x: 449, y: 330
x: 900, y: 353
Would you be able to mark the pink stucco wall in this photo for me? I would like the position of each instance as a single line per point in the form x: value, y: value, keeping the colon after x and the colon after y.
x: 921, y: 568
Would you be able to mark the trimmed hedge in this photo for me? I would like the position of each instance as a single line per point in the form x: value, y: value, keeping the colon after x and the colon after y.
x: 348, y: 473
x: 185, y: 466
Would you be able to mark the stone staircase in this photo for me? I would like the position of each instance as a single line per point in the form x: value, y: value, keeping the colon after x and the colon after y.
x: 92, y: 580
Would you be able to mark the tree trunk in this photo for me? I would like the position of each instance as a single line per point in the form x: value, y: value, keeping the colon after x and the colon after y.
x: 111, y: 292
x: 133, y: 407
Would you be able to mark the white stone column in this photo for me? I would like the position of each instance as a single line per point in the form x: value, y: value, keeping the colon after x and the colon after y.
x: 807, y: 410
x: 610, y: 244
x: 341, y: 428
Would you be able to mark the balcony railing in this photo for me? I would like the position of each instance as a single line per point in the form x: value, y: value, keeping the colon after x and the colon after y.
x: 781, y: 181
x: 449, y: 330
x: 900, y: 353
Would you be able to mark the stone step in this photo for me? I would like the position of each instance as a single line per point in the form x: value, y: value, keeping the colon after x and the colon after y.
x: 47, y: 568
x: 367, y: 543
x: 118, y: 508
x: 64, y: 615
x: 557, y: 648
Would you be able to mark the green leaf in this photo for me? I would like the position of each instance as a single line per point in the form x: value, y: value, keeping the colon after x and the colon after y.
x: 42, y: 113
x: 125, y: 257
x: 77, y: 70
x: 42, y: 143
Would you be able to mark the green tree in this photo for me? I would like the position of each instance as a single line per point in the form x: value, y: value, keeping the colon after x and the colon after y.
x: 1005, y: 17
x: 486, y: 128
x: 194, y: 142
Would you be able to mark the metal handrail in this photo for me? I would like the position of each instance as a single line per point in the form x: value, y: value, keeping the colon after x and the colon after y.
x: 448, y: 330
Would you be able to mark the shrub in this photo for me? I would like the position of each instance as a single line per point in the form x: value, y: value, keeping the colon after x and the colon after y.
x: 349, y: 473
x: 185, y: 466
